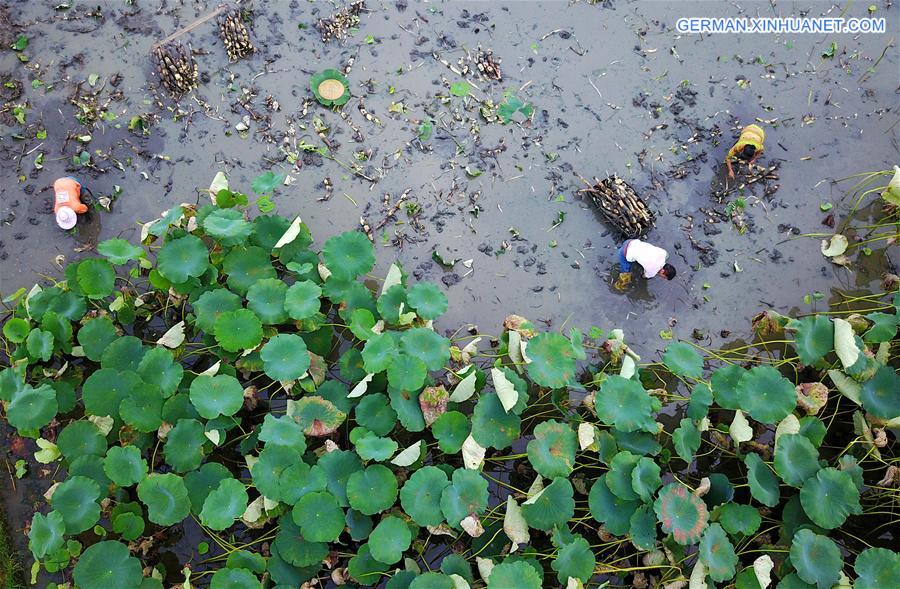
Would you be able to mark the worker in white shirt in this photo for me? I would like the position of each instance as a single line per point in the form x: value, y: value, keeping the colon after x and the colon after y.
x: 651, y: 258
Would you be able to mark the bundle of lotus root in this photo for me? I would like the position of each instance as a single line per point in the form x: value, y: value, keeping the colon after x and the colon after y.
x: 176, y: 67
x: 621, y: 206
x: 235, y: 35
x: 488, y: 65
x: 338, y: 25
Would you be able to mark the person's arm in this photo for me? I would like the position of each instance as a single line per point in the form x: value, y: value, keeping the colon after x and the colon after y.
x: 730, y: 171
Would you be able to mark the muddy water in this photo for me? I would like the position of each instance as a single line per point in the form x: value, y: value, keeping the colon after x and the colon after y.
x: 614, y: 88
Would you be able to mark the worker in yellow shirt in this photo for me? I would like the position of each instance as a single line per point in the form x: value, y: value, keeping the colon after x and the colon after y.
x: 748, y: 148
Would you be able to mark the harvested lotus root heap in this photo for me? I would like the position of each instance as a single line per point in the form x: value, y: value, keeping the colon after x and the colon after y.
x: 235, y: 35
x: 487, y: 64
x: 338, y: 25
x: 176, y: 67
x: 621, y: 206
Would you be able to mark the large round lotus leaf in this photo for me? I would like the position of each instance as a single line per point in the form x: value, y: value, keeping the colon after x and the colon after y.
x: 60, y: 329
x: 686, y: 440
x: 32, y: 408
x: 813, y: 429
x: 766, y: 395
x: 609, y: 509
x: 301, y: 300
x: 290, y: 550
x: 356, y: 296
x: 330, y: 87
x: 76, y: 500
x: 267, y: 230
x: 406, y: 373
x: 619, y: 479
x: 371, y: 447
x: 119, y: 251
x: 270, y: 470
x: 182, y: 258
x: 720, y: 490
x: 245, y: 266
x: 39, y: 344
x: 46, y: 534
x: 16, y: 330
x: 238, y: 330
x: 624, y: 404
x: 432, y: 581
x: 338, y: 467
x: 552, y: 451
x: 95, y: 335
x: 454, y: 564
x: 575, y: 560
x: 104, y: 390
x: 552, y: 507
x: 724, y: 382
x: 213, y: 303
x: 348, y: 255
x: 681, y: 513
x: 183, y: 449
x: 514, y: 575
x: 642, y: 528
x: 317, y: 416
x: 814, y: 338
x: 200, y: 483
x: 796, y: 459
x: 645, y: 479
x: 300, y: 479
x: 409, y: 409
x: 717, y: 553
x: 166, y: 498
x: 427, y: 346
x: 234, y: 578
x: 763, y: 482
x: 228, y: 226
x: 492, y: 426
x: 450, y: 430
x: 124, y: 465
x: 403, y: 579
x: 682, y: 359
x: 879, y: 394
x: 876, y: 568
x: 125, y: 353
x: 97, y: 278
x: 816, y: 558
x: 358, y: 525
x: 266, y: 298
x: 738, y: 518
x: 375, y: 413
x: 391, y: 302
x: 552, y: 360
x: 466, y: 495
x: 427, y: 299
x: 224, y: 504
x: 244, y: 559
x: 372, y: 490
x: 285, y: 357
x: 81, y: 438
x: 364, y: 569
x: 420, y: 497
x: 217, y: 395
x: 142, y: 408
x: 282, y: 431
x: 830, y: 497
x: 158, y: 367
x: 107, y: 564
x: 319, y: 516
x: 390, y: 538
x: 92, y: 468
x: 379, y: 353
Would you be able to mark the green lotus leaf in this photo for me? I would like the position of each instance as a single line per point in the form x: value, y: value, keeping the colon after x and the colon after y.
x: 227, y: 226
x: 609, y: 509
x: 158, y: 367
x: 348, y: 255
x: 361, y: 323
x: 763, y: 482
x: 427, y: 299
x: 404, y: 579
x: 492, y: 426
x: 16, y: 329
x: 217, y: 395
x: 142, y: 408
x: 125, y: 353
x: 432, y: 581
x: 282, y: 431
x: 39, y: 344
x: 884, y: 327
x: 619, y: 478
x: 766, y: 395
x: 182, y: 258
x: 31, y: 409
x: 375, y: 413
x: 302, y: 300
x: 330, y: 87
x: 391, y: 302
x: 124, y: 465
x: 876, y: 568
x: 166, y: 498
x: 552, y: 360
x: 245, y: 266
x: 879, y: 394
x: 128, y: 525
x: 813, y: 429
x: 379, y: 353
x: 717, y: 553
x: 427, y: 346
x: 119, y: 251
x: 46, y: 534
x: 409, y: 407
x: 682, y: 359
x: 270, y: 472
x: 244, y: 559
x: 455, y: 564
x: 372, y: 490
x: 793, y: 581
x: 720, y: 490
x: 358, y: 525
x: 234, y: 578
x: 351, y: 369
x: 390, y: 538
x: 213, y: 303
x: 107, y: 564
x: 95, y: 335
x: 300, y: 479
x: 575, y: 560
x: 514, y: 575
x: 97, y: 278
x: 371, y: 447
x: 81, y: 438
x: 319, y: 516
x: 338, y: 467
x: 405, y: 372
x: 642, y: 528
x: 645, y: 479
x: 200, y: 483
x: 450, y: 430
x: 76, y: 500
x: 686, y: 440
x: 183, y: 449
x: 816, y: 558
x: 552, y: 507
x: 552, y: 451
x: 796, y: 459
x: 466, y: 495
x: 681, y: 513
x: 813, y: 338
x: 60, y: 328
x: 420, y: 497
x: 104, y: 390
x: 625, y: 404
x: 724, y: 382
x: 294, y: 548
x: 238, y: 330
x: 224, y: 504
x: 317, y: 416
x: 285, y: 357
x: 830, y: 497
x: 738, y: 518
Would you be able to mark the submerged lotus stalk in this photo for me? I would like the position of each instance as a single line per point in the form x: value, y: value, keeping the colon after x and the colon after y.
x: 330, y: 87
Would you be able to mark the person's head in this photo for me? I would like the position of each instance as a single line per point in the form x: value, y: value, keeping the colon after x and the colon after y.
x: 668, y: 272
x: 748, y: 152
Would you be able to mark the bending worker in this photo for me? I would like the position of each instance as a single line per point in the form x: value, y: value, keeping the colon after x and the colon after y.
x: 749, y: 146
x: 651, y: 258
